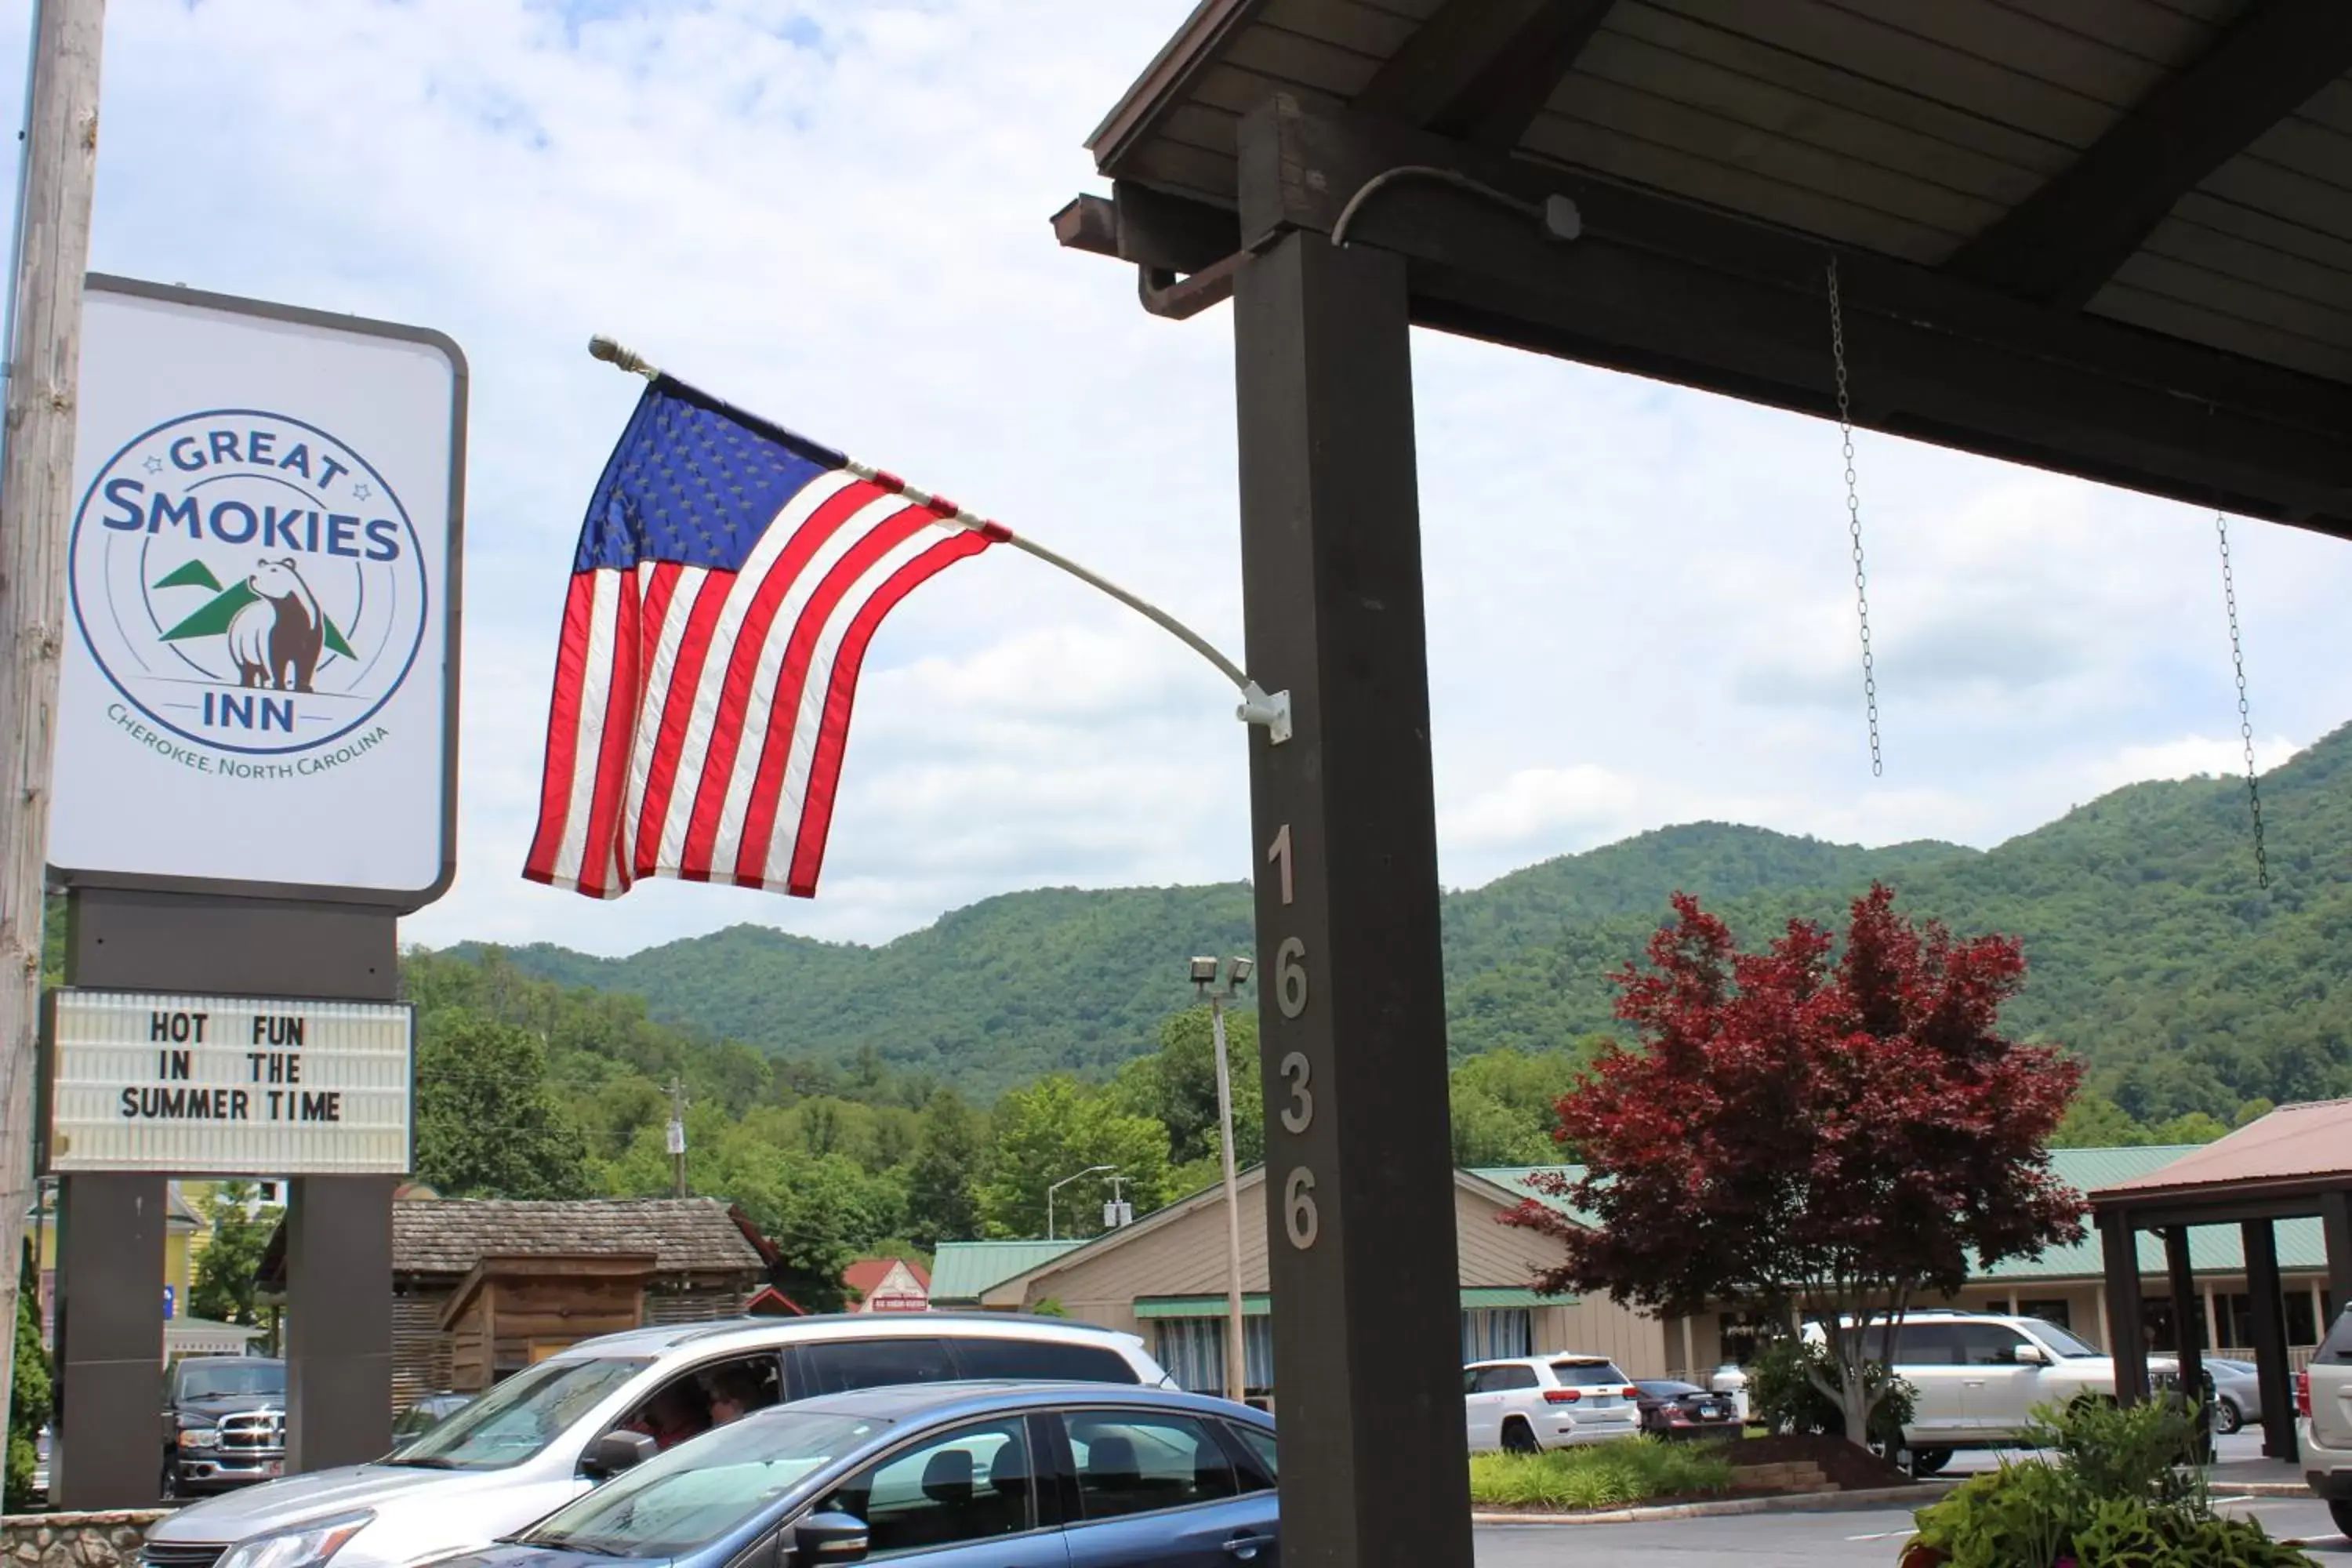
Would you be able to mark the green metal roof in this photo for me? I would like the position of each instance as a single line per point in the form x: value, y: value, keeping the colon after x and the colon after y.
x: 2215, y: 1249
x: 965, y: 1270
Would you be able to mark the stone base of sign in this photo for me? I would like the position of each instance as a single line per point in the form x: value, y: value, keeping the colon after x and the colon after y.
x: 75, y: 1539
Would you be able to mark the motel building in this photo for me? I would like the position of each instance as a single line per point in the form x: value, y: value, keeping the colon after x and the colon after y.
x: 1163, y: 1278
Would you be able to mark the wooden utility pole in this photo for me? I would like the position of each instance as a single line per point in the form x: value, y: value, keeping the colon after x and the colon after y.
x: 59, y: 172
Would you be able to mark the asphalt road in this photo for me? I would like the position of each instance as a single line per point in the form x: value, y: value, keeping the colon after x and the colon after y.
x: 1806, y: 1539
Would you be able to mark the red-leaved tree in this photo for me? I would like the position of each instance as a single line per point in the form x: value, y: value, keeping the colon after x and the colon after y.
x: 1799, y: 1127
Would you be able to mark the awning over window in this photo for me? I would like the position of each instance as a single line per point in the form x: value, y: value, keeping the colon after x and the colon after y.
x: 1258, y: 1304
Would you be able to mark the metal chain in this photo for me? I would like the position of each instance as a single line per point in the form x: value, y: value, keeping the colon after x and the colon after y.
x: 2245, y: 714
x: 1854, y: 521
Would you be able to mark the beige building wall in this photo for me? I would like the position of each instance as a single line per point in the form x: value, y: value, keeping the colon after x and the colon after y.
x: 1180, y: 1251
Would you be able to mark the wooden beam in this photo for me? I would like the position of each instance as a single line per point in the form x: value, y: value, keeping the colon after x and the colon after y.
x: 1165, y: 233
x: 1482, y: 70
x: 2062, y: 244
x: 1708, y: 299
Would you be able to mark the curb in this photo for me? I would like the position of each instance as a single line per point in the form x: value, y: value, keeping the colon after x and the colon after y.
x: 1921, y: 1492
x: 2258, y: 1488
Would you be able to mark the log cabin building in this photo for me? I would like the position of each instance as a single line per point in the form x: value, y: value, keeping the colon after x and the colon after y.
x: 485, y: 1287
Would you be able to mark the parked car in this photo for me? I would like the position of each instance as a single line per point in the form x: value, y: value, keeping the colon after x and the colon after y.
x: 1532, y: 1402
x: 972, y: 1476
x: 2235, y: 1393
x: 224, y: 1423
x: 41, y: 1467
x: 426, y: 1413
x: 536, y: 1441
x: 1674, y: 1410
x: 2323, y: 1398
x: 1978, y: 1377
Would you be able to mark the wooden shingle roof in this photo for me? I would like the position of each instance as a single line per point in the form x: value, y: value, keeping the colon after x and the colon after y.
x: 449, y: 1236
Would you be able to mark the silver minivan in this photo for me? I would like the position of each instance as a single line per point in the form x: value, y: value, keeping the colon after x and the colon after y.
x: 551, y: 1431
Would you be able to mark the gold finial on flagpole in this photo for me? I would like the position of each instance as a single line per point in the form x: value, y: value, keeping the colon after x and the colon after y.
x: 613, y: 354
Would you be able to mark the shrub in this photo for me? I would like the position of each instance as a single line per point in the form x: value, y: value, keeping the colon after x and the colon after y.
x: 2122, y: 1494
x: 1781, y: 1394
x: 1601, y: 1475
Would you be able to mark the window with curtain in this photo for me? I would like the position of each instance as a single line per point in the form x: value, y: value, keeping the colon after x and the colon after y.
x: 1193, y: 1351
x: 1497, y: 1333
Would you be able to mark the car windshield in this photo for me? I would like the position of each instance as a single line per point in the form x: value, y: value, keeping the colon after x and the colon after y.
x: 520, y: 1417
x: 1586, y: 1373
x: 2062, y: 1341
x: 699, y: 1490
x: 232, y: 1380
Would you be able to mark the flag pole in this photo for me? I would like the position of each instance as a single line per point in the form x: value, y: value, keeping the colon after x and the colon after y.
x: 1257, y: 706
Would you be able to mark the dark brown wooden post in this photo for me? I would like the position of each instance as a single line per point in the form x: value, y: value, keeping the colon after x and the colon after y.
x: 2188, y: 1320
x: 2127, y: 1316
x: 2335, y: 1224
x: 2269, y: 1339
x: 1359, y: 1182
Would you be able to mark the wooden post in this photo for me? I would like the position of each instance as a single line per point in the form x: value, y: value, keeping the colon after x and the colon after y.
x: 2188, y: 1328
x: 36, y: 498
x: 2126, y: 1323
x: 1362, y: 1250
x: 2272, y: 1376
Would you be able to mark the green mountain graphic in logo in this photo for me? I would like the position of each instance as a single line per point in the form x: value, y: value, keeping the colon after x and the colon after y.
x: 212, y: 620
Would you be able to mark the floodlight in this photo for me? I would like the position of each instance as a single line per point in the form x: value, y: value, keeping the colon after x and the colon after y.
x: 1242, y: 967
x: 1204, y: 972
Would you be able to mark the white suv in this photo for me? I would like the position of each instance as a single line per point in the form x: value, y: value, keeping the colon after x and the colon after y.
x: 1533, y: 1403
x: 1976, y: 1378
x: 553, y: 1430
x: 2323, y: 1397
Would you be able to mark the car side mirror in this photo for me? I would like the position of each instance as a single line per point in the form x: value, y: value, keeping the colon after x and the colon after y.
x: 830, y: 1538
x: 615, y: 1452
x: 2031, y: 1355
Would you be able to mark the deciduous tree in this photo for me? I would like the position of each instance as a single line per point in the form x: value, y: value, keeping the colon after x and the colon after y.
x: 1839, y: 1131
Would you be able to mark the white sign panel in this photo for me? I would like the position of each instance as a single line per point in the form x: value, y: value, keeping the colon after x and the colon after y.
x: 257, y: 683
x: 228, y: 1086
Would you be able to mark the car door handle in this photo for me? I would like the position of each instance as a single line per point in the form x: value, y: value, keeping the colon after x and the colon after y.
x: 1247, y: 1546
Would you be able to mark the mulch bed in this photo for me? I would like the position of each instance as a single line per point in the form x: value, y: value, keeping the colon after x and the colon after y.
x: 1849, y: 1468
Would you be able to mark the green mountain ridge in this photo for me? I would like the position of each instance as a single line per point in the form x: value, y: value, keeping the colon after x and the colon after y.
x: 2151, y: 951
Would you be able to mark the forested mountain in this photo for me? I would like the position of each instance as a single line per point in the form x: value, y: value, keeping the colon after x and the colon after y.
x: 2152, y: 951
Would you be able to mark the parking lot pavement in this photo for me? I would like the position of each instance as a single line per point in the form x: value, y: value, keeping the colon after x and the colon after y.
x: 1873, y: 1536
x: 2240, y: 1451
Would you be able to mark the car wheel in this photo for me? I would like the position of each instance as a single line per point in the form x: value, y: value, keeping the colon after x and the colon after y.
x: 2340, y: 1509
x: 1927, y: 1461
x: 2227, y: 1417
x: 1518, y: 1437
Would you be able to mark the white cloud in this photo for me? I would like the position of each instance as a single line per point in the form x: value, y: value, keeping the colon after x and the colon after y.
x: 834, y: 211
x: 2189, y: 756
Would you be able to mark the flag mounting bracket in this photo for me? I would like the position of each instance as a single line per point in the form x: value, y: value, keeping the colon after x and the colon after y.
x: 1271, y: 712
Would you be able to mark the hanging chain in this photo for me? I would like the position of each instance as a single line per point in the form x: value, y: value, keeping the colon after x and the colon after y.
x: 2245, y: 714
x: 1854, y: 521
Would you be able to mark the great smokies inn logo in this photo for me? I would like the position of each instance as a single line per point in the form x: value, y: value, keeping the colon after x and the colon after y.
x: 249, y: 583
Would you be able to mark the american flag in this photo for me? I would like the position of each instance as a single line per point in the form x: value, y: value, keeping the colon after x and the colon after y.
x: 728, y: 579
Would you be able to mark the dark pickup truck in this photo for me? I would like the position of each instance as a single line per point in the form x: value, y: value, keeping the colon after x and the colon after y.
x: 224, y: 1423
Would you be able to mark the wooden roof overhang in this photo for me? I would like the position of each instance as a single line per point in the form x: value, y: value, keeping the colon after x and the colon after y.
x: 2111, y: 238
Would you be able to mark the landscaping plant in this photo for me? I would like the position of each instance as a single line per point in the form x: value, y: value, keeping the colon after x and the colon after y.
x: 1840, y: 1125
x: 1599, y: 1474
x: 1786, y: 1392
x: 2122, y: 1492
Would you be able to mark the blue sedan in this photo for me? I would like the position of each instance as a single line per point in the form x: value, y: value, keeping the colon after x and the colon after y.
x: 966, y: 1475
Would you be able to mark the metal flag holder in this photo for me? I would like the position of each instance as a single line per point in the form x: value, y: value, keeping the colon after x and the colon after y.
x: 1269, y: 711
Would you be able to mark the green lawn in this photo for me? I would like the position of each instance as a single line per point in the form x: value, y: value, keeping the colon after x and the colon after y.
x: 1602, y: 1475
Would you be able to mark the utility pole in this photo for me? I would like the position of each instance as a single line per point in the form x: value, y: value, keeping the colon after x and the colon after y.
x: 678, y: 1131
x: 1204, y: 976
x: 56, y: 180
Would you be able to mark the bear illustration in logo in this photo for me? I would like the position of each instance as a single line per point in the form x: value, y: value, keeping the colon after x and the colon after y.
x: 277, y: 639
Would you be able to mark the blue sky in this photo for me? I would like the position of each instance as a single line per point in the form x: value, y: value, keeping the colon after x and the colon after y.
x: 834, y: 212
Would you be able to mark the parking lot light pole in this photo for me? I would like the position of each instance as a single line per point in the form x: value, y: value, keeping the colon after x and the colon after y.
x: 1204, y: 977
x: 1066, y: 1181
